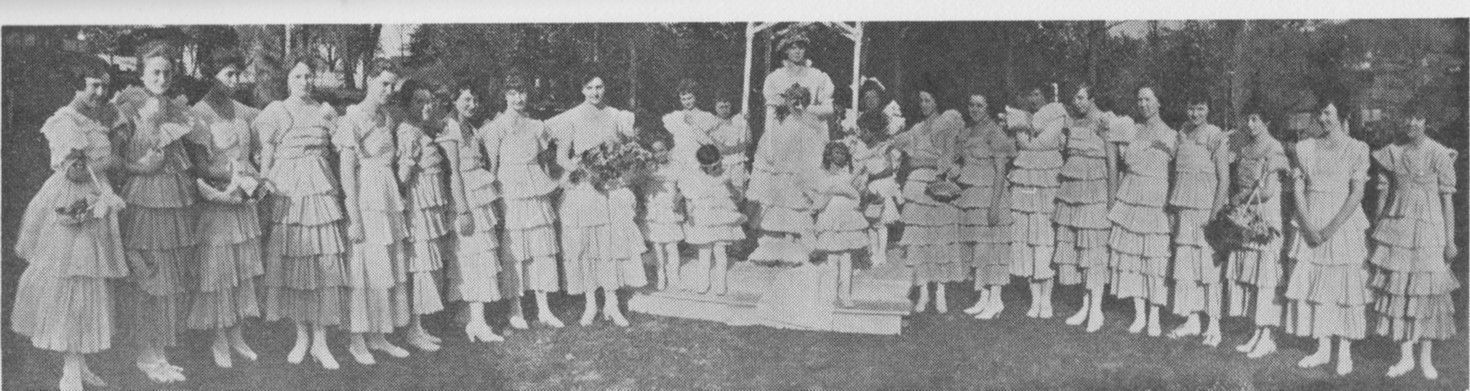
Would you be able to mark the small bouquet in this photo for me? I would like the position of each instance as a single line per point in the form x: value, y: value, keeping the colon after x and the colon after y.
x: 77, y: 212
x: 614, y: 164
x: 1240, y: 226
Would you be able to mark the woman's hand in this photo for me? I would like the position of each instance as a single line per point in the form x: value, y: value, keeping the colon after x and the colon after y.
x: 1450, y: 250
x: 1162, y: 146
x: 466, y: 223
x: 151, y: 161
x: 355, y: 232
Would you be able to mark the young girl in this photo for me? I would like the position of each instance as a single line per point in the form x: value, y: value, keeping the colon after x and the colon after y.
x: 840, y: 223
x: 158, y: 225
x: 885, y: 196
x: 985, y: 225
x: 63, y: 301
x: 931, y: 227
x: 427, y: 204
x: 663, y: 219
x: 1199, y: 190
x: 1252, y: 274
x: 1327, y: 290
x: 1087, y: 182
x: 377, y: 292
x: 305, y: 254
x: 1415, y: 238
x: 1139, y: 240
x: 1033, y: 180
x: 229, y: 223
x: 732, y: 136
x: 714, y: 221
x: 476, y: 264
x: 514, y: 142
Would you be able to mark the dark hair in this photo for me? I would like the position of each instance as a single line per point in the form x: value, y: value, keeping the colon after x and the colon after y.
x: 79, y: 74
x: 221, y: 59
x: 409, y: 89
x: 874, y: 86
x: 686, y: 86
x: 1154, y: 88
x: 1197, y: 99
x: 313, y: 62
x: 514, y: 81
x: 467, y: 84
x: 380, y: 65
x: 1071, y: 89
x: 836, y: 155
x: 589, y: 72
x: 707, y: 155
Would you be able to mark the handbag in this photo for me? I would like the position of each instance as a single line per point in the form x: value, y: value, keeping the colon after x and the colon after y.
x: 1239, y: 227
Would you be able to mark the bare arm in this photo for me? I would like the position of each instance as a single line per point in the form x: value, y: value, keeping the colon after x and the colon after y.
x: 1222, y: 178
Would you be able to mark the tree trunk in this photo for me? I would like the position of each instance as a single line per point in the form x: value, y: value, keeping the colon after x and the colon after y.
x: 1238, y: 72
x: 633, y: 69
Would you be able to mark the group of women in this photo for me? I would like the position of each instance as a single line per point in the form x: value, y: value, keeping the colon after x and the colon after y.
x: 210, y: 214
x: 1072, y: 194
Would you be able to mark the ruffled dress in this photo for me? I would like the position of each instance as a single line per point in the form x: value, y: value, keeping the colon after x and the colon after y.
x: 663, y: 217
x: 1410, y: 275
x: 428, y: 212
x: 1195, y: 181
x: 600, y: 240
x: 514, y: 143
x: 732, y: 137
x: 63, y: 300
x: 1327, y: 290
x: 306, y: 251
x: 1034, y: 186
x: 1082, y: 206
x: 986, y: 151
x: 1253, y: 276
x: 377, y: 271
x: 690, y: 130
x: 473, y: 271
x: 229, y: 234
x: 1139, y: 240
x: 158, y: 229
x: 840, y: 223
x: 931, y: 228
x: 789, y: 155
x: 710, y: 202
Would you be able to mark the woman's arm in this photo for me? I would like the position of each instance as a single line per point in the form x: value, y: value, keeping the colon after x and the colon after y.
x: 347, y: 165
x: 1299, y: 200
x: 1354, y: 201
x: 1221, y: 157
x: 1110, y: 150
x: 457, y: 193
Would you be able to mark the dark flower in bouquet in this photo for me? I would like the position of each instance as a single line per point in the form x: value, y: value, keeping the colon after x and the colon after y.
x: 77, y: 212
x: 612, y: 165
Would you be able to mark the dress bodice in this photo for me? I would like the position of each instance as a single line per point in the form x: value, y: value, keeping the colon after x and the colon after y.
x: 296, y: 130
x: 419, y: 149
x: 982, y: 144
x: 230, y: 139
x: 1417, y: 176
x: 68, y: 129
x: 370, y: 133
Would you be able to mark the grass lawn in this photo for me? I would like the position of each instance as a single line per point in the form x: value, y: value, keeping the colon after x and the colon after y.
x: 935, y: 351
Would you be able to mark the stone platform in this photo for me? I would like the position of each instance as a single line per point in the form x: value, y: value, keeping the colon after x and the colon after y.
x: 880, y: 299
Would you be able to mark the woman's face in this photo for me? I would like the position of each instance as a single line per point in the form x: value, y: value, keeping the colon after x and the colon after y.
x: 1415, y: 129
x: 687, y: 101
x: 724, y: 109
x: 515, y: 100
x: 427, y: 105
x: 1148, y: 103
x: 227, y: 79
x: 927, y: 105
x: 1082, y: 102
x: 978, y: 107
x: 1198, y: 114
x: 871, y: 100
x: 592, y: 91
x: 158, y: 74
x: 382, y: 86
x: 796, y: 54
x: 466, y: 103
x: 1255, y: 125
x: 97, y: 89
x: 1328, y: 120
x: 300, y: 80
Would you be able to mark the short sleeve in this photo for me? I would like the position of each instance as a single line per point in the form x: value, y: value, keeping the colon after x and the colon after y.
x: 408, y: 146
x: 267, y: 123
x: 62, y: 135
x: 452, y: 133
x: 1360, y: 163
x: 1444, y: 165
x: 344, y: 133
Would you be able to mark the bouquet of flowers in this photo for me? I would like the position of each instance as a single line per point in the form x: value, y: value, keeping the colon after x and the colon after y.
x: 614, y: 164
x: 1240, y: 226
x: 77, y: 212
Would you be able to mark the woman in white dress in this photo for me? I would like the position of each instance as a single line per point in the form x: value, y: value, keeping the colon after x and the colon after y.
x: 600, y: 240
